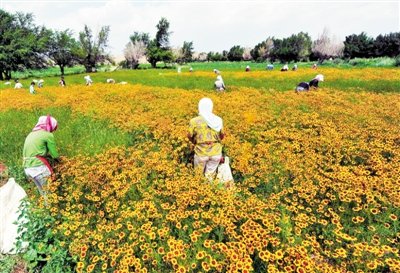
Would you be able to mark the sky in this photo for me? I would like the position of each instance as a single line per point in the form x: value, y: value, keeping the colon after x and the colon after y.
x: 214, y: 25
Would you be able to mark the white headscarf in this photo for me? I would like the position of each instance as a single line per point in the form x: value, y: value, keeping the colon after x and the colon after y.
x: 205, y: 111
x: 319, y: 77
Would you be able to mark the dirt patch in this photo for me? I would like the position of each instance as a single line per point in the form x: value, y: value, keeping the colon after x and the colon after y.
x: 20, y: 267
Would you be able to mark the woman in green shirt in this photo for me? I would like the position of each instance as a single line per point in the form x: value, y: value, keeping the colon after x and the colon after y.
x: 39, y: 144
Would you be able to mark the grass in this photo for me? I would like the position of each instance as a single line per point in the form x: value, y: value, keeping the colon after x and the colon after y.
x: 203, y: 78
x: 77, y: 135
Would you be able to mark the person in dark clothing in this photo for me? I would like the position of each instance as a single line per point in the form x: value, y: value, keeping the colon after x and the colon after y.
x: 303, y: 86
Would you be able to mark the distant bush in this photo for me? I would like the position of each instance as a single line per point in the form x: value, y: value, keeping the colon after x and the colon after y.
x: 397, y: 60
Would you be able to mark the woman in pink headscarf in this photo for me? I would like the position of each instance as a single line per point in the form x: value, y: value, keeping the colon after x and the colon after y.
x: 40, y: 144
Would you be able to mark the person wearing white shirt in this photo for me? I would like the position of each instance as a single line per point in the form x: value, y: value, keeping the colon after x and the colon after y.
x: 32, y: 88
x: 17, y: 85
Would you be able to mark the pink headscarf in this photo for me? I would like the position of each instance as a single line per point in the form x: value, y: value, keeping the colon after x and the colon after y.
x: 47, y: 123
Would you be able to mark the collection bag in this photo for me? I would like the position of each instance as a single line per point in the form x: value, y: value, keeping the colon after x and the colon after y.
x: 224, y: 172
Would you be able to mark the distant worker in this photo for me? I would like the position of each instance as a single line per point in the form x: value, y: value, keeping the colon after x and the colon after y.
x: 40, y: 144
x: 270, y: 67
x: 285, y: 68
x: 314, y: 66
x: 40, y: 83
x: 248, y: 68
x: 206, y: 133
x: 219, y: 84
x: 294, y: 67
x: 88, y: 80
x: 191, y: 69
x: 216, y: 71
x: 110, y: 81
x: 62, y: 82
x: 304, y: 86
x: 179, y: 69
x: 17, y: 85
x: 32, y: 88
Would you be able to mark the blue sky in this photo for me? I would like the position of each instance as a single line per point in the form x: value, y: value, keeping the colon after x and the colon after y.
x: 215, y: 25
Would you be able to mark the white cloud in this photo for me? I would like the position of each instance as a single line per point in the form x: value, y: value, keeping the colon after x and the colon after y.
x: 214, y: 25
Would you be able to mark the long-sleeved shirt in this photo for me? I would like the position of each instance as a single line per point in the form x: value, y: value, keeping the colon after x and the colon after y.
x: 39, y: 143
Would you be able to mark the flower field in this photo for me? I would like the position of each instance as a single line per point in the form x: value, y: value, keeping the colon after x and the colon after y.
x: 317, y: 176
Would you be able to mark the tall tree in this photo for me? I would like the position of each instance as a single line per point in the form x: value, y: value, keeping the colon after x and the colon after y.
x: 63, y: 49
x: 162, y: 35
x: 93, y: 49
x: 187, y: 52
x: 22, y: 43
x: 158, y: 49
x: 235, y: 53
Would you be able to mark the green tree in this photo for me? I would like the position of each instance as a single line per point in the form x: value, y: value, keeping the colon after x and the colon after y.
x: 93, y: 50
x: 187, y: 51
x: 158, y: 49
x: 358, y: 46
x: 261, y: 52
x: 387, y: 45
x: 235, y: 53
x: 22, y: 43
x: 140, y: 37
x: 63, y: 49
x: 297, y: 47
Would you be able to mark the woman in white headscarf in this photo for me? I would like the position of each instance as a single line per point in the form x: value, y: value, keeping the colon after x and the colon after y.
x: 305, y: 86
x: 40, y: 144
x: 219, y: 83
x: 206, y: 133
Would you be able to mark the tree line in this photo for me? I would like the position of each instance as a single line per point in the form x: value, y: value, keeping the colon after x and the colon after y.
x: 24, y: 45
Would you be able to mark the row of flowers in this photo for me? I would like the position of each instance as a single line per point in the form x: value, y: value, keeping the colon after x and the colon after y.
x: 316, y: 190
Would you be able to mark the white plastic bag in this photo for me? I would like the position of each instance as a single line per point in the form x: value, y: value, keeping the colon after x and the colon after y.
x: 11, y: 195
x: 224, y: 173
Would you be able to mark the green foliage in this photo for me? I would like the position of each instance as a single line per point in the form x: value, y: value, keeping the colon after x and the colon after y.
x: 397, y: 60
x: 77, y: 134
x: 140, y: 37
x: 235, y: 54
x: 44, y: 252
x: 261, y: 52
x: 158, y: 49
x: 217, y: 57
x: 156, y: 54
x: 359, y: 45
x: 187, y: 52
x: 387, y: 45
x: 93, y: 49
x: 7, y: 263
x: 295, y: 48
x: 22, y: 44
x: 63, y: 49
x: 162, y: 35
